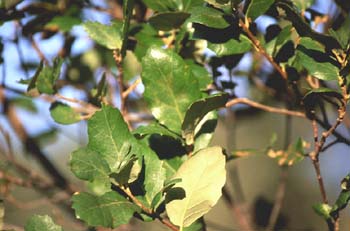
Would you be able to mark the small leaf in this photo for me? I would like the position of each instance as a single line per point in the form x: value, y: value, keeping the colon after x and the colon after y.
x: 209, y: 17
x: 203, y: 175
x: 25, y: 103
x: 257, y: 8
x: 168, y: 20
x: 197, y: 111
x: 231, y: 47
x: 342, y: 34
x: 63, y: 113
x: 109, y: 36
x: 109, y: 210
x: 204, y: 131
x: 169, y: 87
x: 323, y: 210
x: 154, y: 128
x: 344, y: 197
x: 41, y: 223
x: 310, y: 54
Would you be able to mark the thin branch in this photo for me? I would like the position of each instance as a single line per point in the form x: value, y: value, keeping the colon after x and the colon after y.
x: 261, y: 49
x: 264, y: 107
x: 131, y: 88
x: 38, y: 51
x: 278, y: 199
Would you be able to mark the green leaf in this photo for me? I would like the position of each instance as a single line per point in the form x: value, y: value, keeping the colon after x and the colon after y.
x: 323, y: 210
x: 62, y: 23
x: 63, y: 113
x: 197, y: 111
x: 109, y: 36
x: 25, y: 103
x: 169, y: 86
x: 107, y: 133
x: 155, y: 175
x: 128, y: 7
x: 45, y: 77
x: 303, y: 4
x: 87, y: 164
x: 204, y: 131
x: 257, y: 8
x: 303, y: 28
x: 154, y: 128
x: 282, y: 38
x: 344, y: 197
x: 109, y: 210
x: 146, y: 37
x: 342, y: 34
x: 208, y: 16
x: 231, y: 47
x: 203, y: 175
x: 200, y: 73
x: 164, y: 5
x: 41, y: 223
x: 309, y: 53
x: 168, y: 20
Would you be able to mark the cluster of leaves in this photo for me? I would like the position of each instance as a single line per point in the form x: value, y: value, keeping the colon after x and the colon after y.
x: 168, y: 165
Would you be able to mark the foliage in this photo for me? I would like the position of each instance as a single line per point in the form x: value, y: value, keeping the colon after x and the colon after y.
x: 175, y: 49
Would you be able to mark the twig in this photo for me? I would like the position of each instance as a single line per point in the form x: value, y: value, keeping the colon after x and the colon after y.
x: 278, y: 200
x: 38, y: 51
x: 264, y: 107
x: 131, y: 88
x: 261, y: 49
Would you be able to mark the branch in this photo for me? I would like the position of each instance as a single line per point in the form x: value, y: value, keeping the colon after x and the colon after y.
x: 261, y: 49
x: 264, y: 107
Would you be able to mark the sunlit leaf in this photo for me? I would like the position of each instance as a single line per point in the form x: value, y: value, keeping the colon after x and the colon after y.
x: 63, y: 113
x: 109, y: 36
x: 231, y: 47
x: 208, y: 16
x: 258, y: 7
x: 207, y: 169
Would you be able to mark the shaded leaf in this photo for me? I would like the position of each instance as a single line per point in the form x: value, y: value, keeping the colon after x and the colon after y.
x: 169, y: 86
x: 199, y: 72
x: 146, y: 37
x: 204, y: 131
x: 257, y: 8
x: 342, y: 34
x: 109, y: 36
x: 63, y: 113
x: 231, y: 47
x: 343, y: 198
x: 168, y: 20
x: 303, y: 28
x: 109, y: 210
x: 197, y: 111
x: 41, y: 223
x: 209, y: 17
x: 203, y: 175
x: 154, y: 128
x: 310, y: 54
